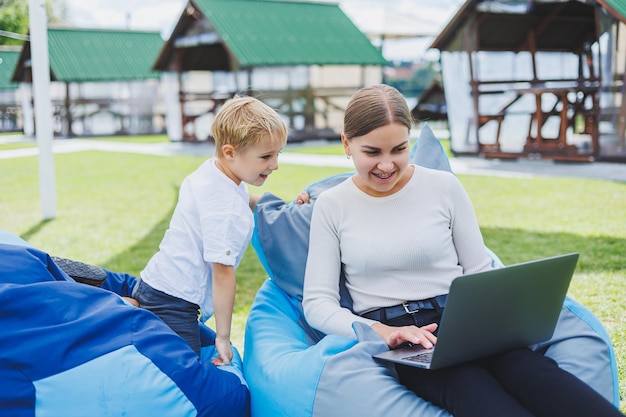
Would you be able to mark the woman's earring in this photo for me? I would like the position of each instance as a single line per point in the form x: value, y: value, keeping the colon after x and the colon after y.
x: 348, y: 156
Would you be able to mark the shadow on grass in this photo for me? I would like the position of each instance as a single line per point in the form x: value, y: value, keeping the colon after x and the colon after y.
x: 597, y: 254
x: 250, y: 273
x: 27, y: 235
x: 135, y: 258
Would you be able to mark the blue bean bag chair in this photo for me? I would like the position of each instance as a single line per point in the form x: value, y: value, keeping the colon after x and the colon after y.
x: 294, y: 371
x: 70, y: 349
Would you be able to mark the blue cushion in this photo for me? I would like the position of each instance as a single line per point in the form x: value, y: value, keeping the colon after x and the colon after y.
x: 281, y: 236
x: 74, y: 350
x: 428, y: 152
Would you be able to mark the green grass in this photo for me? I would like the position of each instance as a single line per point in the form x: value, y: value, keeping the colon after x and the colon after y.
x: 113, y: 208
x: 17, y: 145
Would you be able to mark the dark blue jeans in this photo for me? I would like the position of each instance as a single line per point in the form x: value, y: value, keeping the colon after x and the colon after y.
x: 180, y: 315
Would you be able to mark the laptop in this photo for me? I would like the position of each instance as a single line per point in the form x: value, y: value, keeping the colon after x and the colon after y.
x: 494, y: 311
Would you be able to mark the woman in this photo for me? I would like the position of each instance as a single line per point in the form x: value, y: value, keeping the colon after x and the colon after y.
x: 399, y: 233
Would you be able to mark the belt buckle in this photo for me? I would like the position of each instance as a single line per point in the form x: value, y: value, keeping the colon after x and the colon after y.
x: 407, y: 310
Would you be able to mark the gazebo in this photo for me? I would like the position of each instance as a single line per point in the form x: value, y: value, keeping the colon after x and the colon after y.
x: 97, y: 72
x: 613, y: 97
x: 10, y: 114
x: 431, y: 104
x: 526, y: 78
x: 304, y: 59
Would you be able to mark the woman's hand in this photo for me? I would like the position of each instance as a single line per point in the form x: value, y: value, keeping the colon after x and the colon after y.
x: 396, y: 336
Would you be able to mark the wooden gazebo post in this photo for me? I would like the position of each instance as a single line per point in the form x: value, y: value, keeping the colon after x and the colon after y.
x: 69, y: 120
x: 471, y: 41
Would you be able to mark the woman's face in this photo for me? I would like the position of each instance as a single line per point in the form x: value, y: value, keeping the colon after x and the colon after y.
x: 381, y: 159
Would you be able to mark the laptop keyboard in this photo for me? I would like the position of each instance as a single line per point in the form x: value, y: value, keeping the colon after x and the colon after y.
x: 423, y: 357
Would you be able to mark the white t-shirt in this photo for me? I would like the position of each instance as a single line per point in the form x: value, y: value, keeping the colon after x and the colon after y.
x: 212, y: 222
x: 402, y: 247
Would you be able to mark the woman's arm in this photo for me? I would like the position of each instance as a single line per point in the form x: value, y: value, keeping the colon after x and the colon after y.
x: 321, y: 298
x: 466, y: 235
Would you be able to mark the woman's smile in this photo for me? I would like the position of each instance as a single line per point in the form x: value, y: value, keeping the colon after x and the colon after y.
x: 383, y: 176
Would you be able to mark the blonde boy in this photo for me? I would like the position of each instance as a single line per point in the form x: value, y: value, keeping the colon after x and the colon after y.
x: 212, y: 223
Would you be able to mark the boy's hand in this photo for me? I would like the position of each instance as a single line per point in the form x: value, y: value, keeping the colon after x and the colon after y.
x: 224, y: 351
x: 303, y: 198
x: 131, y: 301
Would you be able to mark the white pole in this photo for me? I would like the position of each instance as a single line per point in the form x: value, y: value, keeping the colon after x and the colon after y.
x: 43, y: 109
x: 173, y: 113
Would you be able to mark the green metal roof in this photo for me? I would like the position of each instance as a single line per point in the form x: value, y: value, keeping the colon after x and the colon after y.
x: 8, y: 59
x: 616, y: 7
x: 82, y: 55
x: 102, y: 55
x: 265, y: 33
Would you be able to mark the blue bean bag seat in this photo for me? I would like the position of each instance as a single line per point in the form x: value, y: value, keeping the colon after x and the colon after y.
x: 295, y: 371
x: 70, y: 349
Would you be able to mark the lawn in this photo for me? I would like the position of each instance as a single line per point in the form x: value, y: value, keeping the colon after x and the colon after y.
x: 113, y: 208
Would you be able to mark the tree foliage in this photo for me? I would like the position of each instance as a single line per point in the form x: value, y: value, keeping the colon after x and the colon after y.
x: 14, y: 17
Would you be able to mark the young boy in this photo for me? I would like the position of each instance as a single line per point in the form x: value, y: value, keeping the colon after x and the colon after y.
x: 212, y: 224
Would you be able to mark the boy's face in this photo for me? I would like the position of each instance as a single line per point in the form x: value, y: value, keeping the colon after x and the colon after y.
x: 255, y: 164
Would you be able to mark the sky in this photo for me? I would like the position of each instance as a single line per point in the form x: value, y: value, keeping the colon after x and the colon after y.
x: 414, y: 17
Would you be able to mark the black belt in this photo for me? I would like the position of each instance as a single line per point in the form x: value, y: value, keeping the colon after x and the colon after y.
x: 408, y: 307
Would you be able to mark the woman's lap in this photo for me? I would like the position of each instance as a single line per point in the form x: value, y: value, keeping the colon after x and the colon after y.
x: 520, y: 382
x: 464, y: 390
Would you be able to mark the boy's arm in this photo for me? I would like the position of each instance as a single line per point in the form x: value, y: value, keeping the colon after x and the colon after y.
x: 224, y: 287
x: 253, y: 200
x: 302, y: 198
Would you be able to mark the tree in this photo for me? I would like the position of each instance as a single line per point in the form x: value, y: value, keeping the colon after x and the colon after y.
x: 56, y: 11
x: 14, y: 18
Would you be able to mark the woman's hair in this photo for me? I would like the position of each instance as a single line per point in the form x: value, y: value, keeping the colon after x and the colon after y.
x: 373, y: 107
x: 243, y: 121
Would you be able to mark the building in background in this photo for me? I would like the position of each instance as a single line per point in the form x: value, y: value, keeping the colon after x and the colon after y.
x: 539, y: 79
x: 10, y: 109
x: 101, y: 81
x: 304, y: 59
x: 612, y: 122
x: 431, y: 106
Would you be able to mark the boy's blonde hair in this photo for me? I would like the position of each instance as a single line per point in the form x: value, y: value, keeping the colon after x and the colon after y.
x: 243, y: 121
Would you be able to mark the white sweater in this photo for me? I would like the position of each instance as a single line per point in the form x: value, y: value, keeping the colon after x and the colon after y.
x: 406, y: 246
